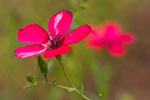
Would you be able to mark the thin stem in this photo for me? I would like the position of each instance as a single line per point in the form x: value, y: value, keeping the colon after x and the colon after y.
x: 56, y: 85
x: 71, y: 84
x: 68, y: 79
x: 60, y: 86
x: 80, y: 93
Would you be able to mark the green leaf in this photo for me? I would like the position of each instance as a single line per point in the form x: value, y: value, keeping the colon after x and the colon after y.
x: 71, y: 89
x: 30, y: 85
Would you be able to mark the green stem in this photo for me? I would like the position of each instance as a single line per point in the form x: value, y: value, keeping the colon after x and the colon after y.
x: 80, y: 93
x: 60, y: 86
x: 71, y: 84
x: 68, y: 79
x: 56, y: 85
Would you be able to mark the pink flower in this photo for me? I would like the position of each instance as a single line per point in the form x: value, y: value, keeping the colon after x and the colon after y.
x: 110, y: 37
x: 52, y: 44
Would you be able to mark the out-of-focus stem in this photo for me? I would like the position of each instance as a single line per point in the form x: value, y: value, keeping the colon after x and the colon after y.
x: 60, y: 86
x: 68, y: 79
x: 71, y: 84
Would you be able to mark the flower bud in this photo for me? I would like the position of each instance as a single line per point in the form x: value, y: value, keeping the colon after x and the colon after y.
x: 30, y: 78
x: 42, y: 65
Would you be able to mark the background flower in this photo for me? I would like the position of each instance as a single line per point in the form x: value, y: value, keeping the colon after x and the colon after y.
x: 110, y: 37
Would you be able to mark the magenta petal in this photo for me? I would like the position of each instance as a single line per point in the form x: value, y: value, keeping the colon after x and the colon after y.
x: 29, y: 50
x: 116, y: 49
x: 128, y: 38
x: 95, y: 44
x: 77, y: 34
x: 32, y: 33
x: 111, y: 28
x: 60, y: 22
x: 58, y: 51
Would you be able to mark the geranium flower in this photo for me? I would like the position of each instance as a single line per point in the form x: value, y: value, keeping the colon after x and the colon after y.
x: 110, y: 37
x: 53, y: 44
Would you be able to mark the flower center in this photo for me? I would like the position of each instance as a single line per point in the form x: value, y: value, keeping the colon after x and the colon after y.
x: 55, y: 42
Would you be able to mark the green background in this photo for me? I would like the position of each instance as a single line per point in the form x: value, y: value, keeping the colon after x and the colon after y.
x: 124, y: 78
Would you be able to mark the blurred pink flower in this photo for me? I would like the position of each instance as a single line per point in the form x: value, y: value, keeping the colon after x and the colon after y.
x: 53, y: 44
x: 110, y: 37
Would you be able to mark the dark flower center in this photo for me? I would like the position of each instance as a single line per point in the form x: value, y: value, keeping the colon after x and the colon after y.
x: 55, y: 42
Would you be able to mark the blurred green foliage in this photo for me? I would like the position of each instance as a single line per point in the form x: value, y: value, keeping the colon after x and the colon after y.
x: 94, y: 69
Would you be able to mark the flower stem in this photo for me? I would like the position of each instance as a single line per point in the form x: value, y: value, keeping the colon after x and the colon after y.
x: 68, y: 79
x: 71, y: 84
x: 56, y: 85
x: 60, y: 86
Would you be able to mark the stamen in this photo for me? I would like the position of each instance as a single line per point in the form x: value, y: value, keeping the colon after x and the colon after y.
x: 50, y: 38
x: 55, y: 36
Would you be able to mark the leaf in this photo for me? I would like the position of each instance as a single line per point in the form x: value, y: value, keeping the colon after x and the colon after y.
x: 71, y: 90
x: 30, y: 85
